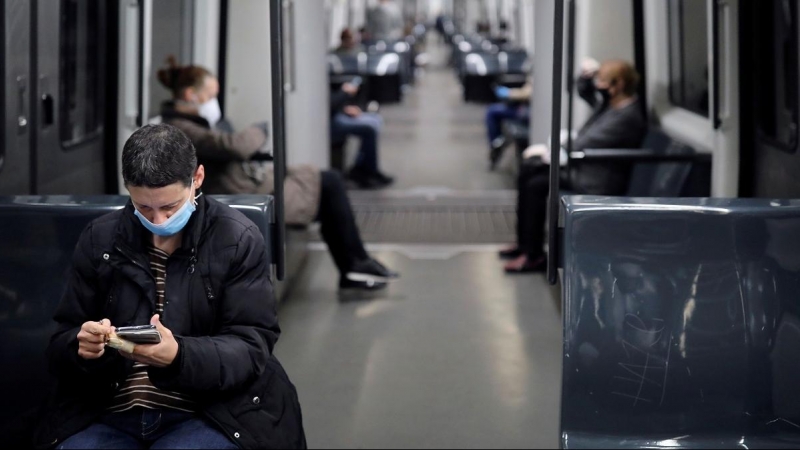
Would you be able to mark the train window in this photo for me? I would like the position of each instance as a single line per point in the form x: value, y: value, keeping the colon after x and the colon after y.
x: 777, y: 71
x: 688, y: 55
x: 82, y: 72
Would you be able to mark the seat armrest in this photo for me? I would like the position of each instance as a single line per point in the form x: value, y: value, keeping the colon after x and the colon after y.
x: 634, y: 155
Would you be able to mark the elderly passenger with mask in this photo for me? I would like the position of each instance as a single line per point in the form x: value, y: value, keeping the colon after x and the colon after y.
x: 617, y: 122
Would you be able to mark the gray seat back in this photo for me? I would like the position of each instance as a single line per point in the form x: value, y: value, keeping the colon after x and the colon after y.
x: 660, y: 179
x: 38, y: 235
x: 681, y: 323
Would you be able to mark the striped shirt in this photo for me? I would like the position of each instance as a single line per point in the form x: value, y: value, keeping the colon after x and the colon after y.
x: 137, y: 390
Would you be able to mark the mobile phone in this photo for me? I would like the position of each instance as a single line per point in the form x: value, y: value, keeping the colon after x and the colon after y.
x: 357, y: 81
x: 144, y: 334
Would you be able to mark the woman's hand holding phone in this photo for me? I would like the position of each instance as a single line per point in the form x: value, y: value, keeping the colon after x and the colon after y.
x: 156, y: 355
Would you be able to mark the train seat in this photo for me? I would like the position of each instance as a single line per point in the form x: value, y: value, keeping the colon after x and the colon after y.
x: 681, y: 323
x: 38, y: 235
x: 663, y: 167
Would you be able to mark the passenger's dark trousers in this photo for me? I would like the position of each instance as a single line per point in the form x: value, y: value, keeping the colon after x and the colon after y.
x: 366, y: 127
x: 533, y: 185
x: 495, y: 115
x: 149, y: 428
x: 339, y: 229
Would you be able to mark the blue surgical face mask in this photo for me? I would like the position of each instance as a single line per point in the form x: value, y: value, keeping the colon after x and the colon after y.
x: 174, y: 224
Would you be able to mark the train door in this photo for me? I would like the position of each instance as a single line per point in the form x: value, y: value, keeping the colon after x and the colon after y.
x: 770, y: 99
x: 69, y: 100
x: 15, y: 162
x: 134, y: 49
x: 172, y: 25
x: 693, y: 80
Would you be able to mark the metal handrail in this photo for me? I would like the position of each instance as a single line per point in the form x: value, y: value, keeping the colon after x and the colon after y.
x: 555, y: 148
x: 278, y: 134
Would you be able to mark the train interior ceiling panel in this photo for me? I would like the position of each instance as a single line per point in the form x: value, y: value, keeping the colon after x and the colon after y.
x: 487, y: 223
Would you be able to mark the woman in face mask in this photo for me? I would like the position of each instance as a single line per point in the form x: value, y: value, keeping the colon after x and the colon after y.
x: 235, y: 164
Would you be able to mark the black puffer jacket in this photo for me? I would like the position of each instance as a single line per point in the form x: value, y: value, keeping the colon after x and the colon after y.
x: 220, y: 306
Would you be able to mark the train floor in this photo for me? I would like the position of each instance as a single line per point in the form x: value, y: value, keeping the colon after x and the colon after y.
x: 453, y: 355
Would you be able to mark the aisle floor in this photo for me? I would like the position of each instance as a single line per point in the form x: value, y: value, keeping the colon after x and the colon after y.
x: 455, y: 354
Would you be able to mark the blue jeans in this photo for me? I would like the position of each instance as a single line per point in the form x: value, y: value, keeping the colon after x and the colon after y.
x: 497, y: 113
x: 141, y: 428
x: 366, y: 127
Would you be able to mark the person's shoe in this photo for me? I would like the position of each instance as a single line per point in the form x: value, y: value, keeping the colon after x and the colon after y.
x: 364, y: 181
x: 498, y: 147
x: 510, y: 253
x: 346, y: 284
x: 390, y: 274
x: 525, y: 265
x: 383, y: 179
x: 370, y: 271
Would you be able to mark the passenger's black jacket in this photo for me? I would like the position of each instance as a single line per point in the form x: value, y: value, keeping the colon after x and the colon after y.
x: 220, y: 307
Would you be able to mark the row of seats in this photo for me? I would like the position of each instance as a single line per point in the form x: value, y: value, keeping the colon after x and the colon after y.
x: 663, y: 167
x: 481, y: 63
x: 384, y: 66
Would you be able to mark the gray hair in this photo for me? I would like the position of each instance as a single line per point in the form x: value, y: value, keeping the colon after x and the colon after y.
x: 158, y: 155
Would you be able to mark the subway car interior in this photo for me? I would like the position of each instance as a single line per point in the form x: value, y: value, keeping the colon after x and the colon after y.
x: 445, y: 275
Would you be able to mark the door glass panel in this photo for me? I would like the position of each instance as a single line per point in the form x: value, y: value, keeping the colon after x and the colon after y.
x: 172, y: 37
x: 82, y: 70
x: 777, y: 74
x: 688, y: 55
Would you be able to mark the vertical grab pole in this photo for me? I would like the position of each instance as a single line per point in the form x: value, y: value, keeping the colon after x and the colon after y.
x: 716, y: 68
x: 570, y: 71
x: 278, y: 133
x: 555, y: 144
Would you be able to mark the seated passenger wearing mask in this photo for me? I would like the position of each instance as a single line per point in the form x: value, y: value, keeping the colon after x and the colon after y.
x: 514, y: 106
x: 195, y: 269
x: 617, y: 122
x: 233, y: 167
x: 349, y: 120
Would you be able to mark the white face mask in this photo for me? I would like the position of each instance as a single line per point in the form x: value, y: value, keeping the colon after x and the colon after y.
x: 211, y: 111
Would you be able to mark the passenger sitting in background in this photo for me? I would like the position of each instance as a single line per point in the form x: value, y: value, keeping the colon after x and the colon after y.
x: 348, y: 45
x: 617, y: 122
x: 385, y: 21
x: 364, y: 36
x: 440, y: 25
x: 484, y: 28
x: 514, y: 106
x: 349, y: 120
x: 503, y: 36
x: 234, y: 165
